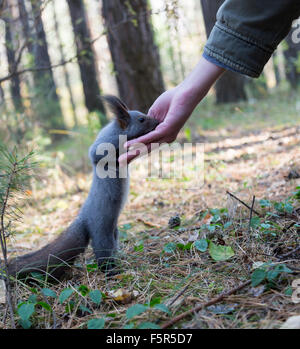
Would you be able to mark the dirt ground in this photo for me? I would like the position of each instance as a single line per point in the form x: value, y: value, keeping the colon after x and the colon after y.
x: 263, y: 164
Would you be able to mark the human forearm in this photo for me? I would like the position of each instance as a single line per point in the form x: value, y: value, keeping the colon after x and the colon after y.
x: 200, y: 80
x: 247, y: 33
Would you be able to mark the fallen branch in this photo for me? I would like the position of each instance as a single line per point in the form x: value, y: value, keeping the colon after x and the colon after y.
x: 289, y: 227
x: 202, y: 306
x: 289, y: 253
x: 243, y: 203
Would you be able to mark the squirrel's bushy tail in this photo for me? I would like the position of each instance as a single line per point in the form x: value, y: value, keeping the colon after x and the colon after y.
x: 56, y: 257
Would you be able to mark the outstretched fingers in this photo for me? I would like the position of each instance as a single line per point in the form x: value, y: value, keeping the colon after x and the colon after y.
x: 139, y: 151
x: 149, y: 138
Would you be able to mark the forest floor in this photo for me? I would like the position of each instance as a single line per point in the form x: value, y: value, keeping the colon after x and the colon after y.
x: 164, y: 271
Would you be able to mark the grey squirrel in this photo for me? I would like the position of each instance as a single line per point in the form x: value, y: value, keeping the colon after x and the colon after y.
x: 98, y: 217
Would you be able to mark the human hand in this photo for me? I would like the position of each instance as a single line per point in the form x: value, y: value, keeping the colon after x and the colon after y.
x: 174, y: 107
x: 171, y: 109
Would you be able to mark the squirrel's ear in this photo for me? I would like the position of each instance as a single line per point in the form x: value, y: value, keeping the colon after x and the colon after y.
x: 119, y: 109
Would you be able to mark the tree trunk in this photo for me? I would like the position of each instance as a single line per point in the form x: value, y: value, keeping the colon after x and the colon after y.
x: 65, y: 70
x: 12, y: 66
x: 134, y: 53
x: 292, y: 54
x: 27, y: 32
x: 46, y: 100
x: 276, y: 68
x: 86, y: 59
x: 231, y: 86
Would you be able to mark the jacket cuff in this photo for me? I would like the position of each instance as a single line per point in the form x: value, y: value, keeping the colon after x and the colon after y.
x: 236, y: 51
x: 219, y: 64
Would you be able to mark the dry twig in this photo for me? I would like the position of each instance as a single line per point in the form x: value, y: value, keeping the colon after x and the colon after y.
x: 202, y: 306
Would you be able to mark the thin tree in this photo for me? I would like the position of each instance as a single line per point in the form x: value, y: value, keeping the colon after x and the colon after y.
x: 12, y: 63
x: 231, y: 86
x: 27, y: 31
x: 12, y: 59
x: 86, y: 59
x: 134, y: 53
x: 64, y: 67
x: 292, y: 59
x: 275, y: 59
x: 47, y: 100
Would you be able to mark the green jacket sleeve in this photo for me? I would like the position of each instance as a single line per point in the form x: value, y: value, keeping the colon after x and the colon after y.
x: 247, y: 32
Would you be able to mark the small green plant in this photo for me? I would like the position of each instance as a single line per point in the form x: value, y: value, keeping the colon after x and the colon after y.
x: 80, y: 296
x: 284, y: 207
x: 15, y: 172
x: 201, y: 245
x: 27, y: 309
x: 96, y: 324
x: 268, y: 273
x: 138, y: 309
x: 296, y: 194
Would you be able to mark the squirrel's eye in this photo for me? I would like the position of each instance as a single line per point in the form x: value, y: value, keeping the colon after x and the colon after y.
x: 141, y: 120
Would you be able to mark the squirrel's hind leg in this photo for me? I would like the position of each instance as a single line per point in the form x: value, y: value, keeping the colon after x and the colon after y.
x: 105, y: 251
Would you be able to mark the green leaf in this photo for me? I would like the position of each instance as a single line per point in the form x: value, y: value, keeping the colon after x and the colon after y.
x: 211, y: 228
x: 127, y: 226
x: 220, y: 253
x: 139, y: 248
x: 45, y: 305
x: 162, y: 307
x: 96, y: 296
x: 65, y: 294
x: 69, y: 307
x: 26, y: 324
x: 272, y: 275
x: 265, y: 226
x: 96, y: 324
x: 201, y: 245
x: 135, y: 310
x: 187, y: 246
x: 83, y: 289
x: 183, y: 247
x: 170, y: 247
x: 38, y: 276
x: 128, y: 326
x: 265, y: 203
x: 91, y: 267
x: 255, y: 221
x: 282, y: 268
x: 289, y: 291
x: 148, y: 326
x: 49, y: 293
x: 85, y: 309
x: 32, y: 298
x: 155, y: 301
x: 25, y: 311
x: 258, y: 276
x: 227, y: 225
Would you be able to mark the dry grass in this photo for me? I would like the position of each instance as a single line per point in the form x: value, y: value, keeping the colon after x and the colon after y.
x: 253, y: 164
